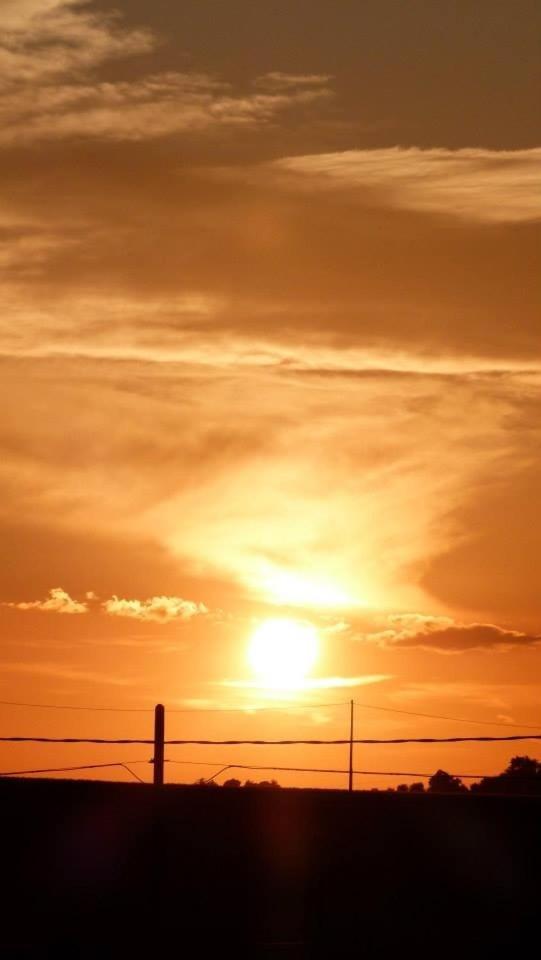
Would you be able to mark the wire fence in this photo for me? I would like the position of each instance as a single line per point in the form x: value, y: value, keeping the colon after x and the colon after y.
x: 222, y: 766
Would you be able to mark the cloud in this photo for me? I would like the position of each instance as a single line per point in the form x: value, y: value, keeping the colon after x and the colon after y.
x: 155, y: 106
x: 474, y: 636
x: 445, y: 635
x: 157, y: 609
x: 489, y: 186
x: 190, y: 331
x: 314, y: 683
x: 42, y: 40
x: 275, y: 80
x: 48, y: 54
x: 195, y: 460
x: 67, y: 672
x: 58, y: 601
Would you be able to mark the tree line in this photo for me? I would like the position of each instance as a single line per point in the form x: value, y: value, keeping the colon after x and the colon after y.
x: 521, y: 776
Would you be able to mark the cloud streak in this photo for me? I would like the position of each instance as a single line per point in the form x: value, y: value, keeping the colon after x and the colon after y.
x: 48, y: 92
x: 488, y: 186
x: 67, y: 672
x: 313, y: 683
x: 445, y: 635
x: 155, y: 106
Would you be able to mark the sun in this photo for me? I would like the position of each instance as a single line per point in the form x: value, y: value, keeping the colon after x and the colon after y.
x: 283, y: 652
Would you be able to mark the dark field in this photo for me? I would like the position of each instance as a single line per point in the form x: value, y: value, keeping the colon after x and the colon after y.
x: 95, y: 870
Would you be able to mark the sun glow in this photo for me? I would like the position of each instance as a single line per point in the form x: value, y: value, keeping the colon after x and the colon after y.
x: 283, y: 652
x: 287, y: 586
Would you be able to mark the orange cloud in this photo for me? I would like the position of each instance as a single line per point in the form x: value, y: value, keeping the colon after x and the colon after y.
x: 157, y: 609
x: 492, y: 186
x: 472, y: 636
x: 315, y: 683
x: 45, y: 39
x: 51, y: 46
x: 58, y: 601
x: 445, y: 635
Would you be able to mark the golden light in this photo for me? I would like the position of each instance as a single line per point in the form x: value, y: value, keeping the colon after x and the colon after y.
x: 282, y: 652
x: 289, y: 587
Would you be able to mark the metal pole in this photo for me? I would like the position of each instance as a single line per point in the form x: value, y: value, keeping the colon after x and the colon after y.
x: 159, y: 737
x: 350, y: 782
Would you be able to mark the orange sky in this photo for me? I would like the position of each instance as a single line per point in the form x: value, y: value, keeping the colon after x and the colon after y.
x: 269, y: 344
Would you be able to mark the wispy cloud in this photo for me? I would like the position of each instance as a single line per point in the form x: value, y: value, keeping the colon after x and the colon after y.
x: 445, y: 635
x: 313, y: 683
x: 67, y: 672
x: 193, y: 328
x: 42, y: 40
x: 276, y: 80
x: 157, y: 609
x: 489, y: 186
x: 57, y: 601
x: 154, y: 106
x: 48, y: 92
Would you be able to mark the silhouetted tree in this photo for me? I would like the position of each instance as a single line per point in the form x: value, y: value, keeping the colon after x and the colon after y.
x: 442, y: 782
x: 410, y: 788
x: 522, y: 775
x: 262, y: 783
x: 232, y: 782
x: 523, y: 767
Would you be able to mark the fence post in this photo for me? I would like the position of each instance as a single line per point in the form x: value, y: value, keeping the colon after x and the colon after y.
x: 159, y: 737
x: 350, y: 781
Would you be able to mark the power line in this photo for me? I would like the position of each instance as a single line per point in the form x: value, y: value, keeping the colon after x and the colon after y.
x: 278, y: 743
x: 61, y: 706
x: 435, y: 716
x: 249, y: 766
x: 367, y: 773
x: 341, y: 742
x: 99, y: 740
x: 86, y: 766
x: 260, y: 709
x: 245, y: 709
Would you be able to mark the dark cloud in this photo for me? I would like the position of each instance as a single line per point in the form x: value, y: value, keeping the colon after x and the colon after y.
x: 475, y: 636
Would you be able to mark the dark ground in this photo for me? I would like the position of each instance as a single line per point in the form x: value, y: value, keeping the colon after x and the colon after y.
x: 98, y: 870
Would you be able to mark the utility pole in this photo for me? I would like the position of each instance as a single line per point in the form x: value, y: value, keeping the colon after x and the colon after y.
x: 159, y: 737
x: 350, y: 785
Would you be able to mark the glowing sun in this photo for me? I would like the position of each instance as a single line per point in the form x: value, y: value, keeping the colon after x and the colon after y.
x: 282, y: 652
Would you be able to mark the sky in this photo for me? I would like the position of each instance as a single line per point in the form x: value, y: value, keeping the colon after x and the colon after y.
x: 270, y: 348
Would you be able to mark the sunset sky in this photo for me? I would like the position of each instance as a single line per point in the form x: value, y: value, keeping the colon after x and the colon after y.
x: 270, y: 348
